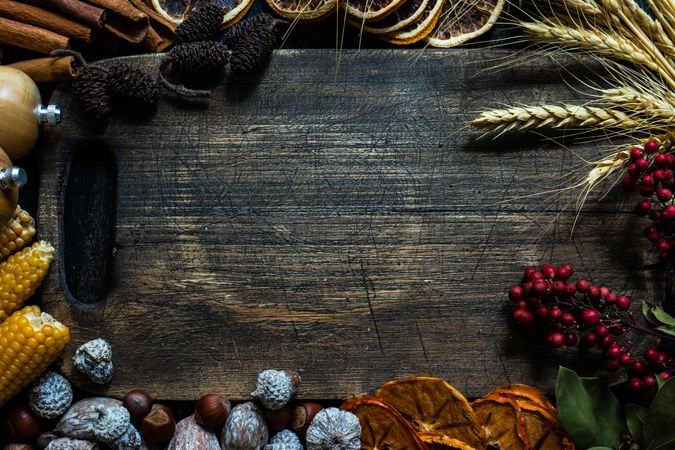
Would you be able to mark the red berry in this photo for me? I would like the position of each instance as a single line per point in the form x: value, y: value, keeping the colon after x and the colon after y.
x: 623, y: 303
x: 654, y: 237
x: 516, y: 293
x: 607, y: 341
x: 542, y: 312
x: 661, y: 161
x: 649, y: 381
x: 665, y: 376
x: 668, y: 213
x: 534, y: 302
x: 523, y: 316
x: 593, y: 292
x: 558, y: 288
x: 643, y: 207
x: 638, y: 367
x: 614, y: 351
x: 636, y: 153
x: 668, y: 173
x: 664, y: 194
x: 628, y: 183
x: 647, y: 180
x: 616, y: 329
x: 604, y: 291
x: 548, y: 271
x: 646, y: 191
x: 651, y: 354
x: 567, y: 319
x: 529, y: 272
x: 590, y: 317
x: 601, y: 331
x: 570, y: 289
x: 610, y: 299
x: 564, y: 272
x: 539, y: 287
x: 635, y: 384
x: 612, y: 365
x: 521, y: 304
x: 582, y: 285
x: 651, y: 146
x: 555, y: 339
x: 658, y: 174
x: 642, y: 164
x: 570, y: 339
x: 663, y: 247
x: 589, y: 339
x: 625, y: 360
x: 537, y: 276
x: 555, y: 314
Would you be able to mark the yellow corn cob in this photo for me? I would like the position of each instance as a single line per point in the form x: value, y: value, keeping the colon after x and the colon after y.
x: 29, y: 342
x: 18, y: 233
x: 21, y: 275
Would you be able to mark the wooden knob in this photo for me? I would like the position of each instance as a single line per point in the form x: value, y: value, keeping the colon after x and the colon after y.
x: 8, y: 197
x: 19, y: 100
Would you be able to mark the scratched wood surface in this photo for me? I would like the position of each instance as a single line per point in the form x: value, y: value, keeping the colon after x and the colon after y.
x: 334, y: 219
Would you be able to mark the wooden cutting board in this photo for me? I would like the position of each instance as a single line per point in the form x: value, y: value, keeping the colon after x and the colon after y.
x: 334, y: 216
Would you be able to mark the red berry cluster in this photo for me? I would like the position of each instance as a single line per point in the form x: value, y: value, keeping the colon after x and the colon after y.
x: 548, y: 304
x: 651, y: 172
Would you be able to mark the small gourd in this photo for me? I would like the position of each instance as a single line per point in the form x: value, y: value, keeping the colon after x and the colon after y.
x: 21, y: 112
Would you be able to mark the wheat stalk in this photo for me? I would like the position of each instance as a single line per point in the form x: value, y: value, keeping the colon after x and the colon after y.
x: 652, y: 107
x: 553, y: 116
x: 596, y: 41
x: 653, y: 28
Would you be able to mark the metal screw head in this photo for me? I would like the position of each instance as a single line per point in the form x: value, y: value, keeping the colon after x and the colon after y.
x: 51, y: 114
x: 18, y: 176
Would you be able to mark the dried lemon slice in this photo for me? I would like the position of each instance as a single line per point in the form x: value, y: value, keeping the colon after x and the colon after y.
x: 371, y: 9
x: 462, y: 20
x: 381, y: 426
x: 435, y: 441
x: 176, y: 11
x: 434, y: 406
x: 408, y: 13
x: 305, y: 10
x: 418, y: 30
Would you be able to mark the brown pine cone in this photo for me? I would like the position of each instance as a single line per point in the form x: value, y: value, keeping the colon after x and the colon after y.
x: 89, y: 87
x: 133, y: 84
x: 201, y: 25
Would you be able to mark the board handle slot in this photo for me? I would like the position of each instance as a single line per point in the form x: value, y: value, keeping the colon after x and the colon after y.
x: 89, y: 216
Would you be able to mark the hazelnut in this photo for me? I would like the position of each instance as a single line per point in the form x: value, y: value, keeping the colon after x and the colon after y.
x: 138, y: 403
x: 18, y: 447
x: 279, y: 419
x: 211, y: 410
x: 22, y: 424
x: 44, y: 439
x: 303, y: 414
x: 159, y: 425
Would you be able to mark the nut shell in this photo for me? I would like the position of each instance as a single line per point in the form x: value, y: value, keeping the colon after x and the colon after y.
x: 303, y: 415
x: 275, y: 388
x: 71, y: 444
x: 212, y: 410
x: 130, y: 440
x: 111, y: 423
x: 79, y: 421
x: 190, y: 435
x: 284, y: 440
x: 333, y: 429
x: 21, y: 423
x: 94, y: 359
x: 138, y: 403
x: 15, y: 446
x: 245, y: 429
x: 51, y: 396
x: 159, y: 425
x: 279, y: 419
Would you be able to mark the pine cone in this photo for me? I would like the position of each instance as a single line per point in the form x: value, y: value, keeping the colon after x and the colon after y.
x: 201, y: 25
x: 232, y: 35
x: 252, y: 50
x: 133, y: 84
x: 89, y: 87
x: 199, y: 58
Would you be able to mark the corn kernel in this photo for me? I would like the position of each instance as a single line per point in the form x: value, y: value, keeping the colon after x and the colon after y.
x: 18, y: 233
x: 22, y: 357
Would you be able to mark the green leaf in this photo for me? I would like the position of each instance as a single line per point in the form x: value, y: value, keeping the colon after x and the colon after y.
x: 635, y: 418
x: 657, y: 315
x: 649, y: 315
x: 660, y: 420
x: 660, y: 382
x: 589, y: 411
x: 667, y: 330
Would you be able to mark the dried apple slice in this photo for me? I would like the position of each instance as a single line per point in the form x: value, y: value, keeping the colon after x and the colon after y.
x: 462, y: 20
x: 502, y: 422
x: 433, y: 405
x: 382, y: 428
x: 436, y: 441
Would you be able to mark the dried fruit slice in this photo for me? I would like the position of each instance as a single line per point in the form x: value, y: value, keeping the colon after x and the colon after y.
x: 417, y: 30
x: 406, y: 14
x: 433, y: 405
x: 436, y: 441
x: 381, y: 426
x: 371, y: 9
x: 305, y: 10
x: 502, y: 422
x: 524, y: 392
x: 542, y: 433
x: 462, y: 20
x: 175, y: 11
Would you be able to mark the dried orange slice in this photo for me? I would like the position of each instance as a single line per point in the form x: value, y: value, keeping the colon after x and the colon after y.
x: 371, y: 9
x: 462, y: 20
x: 382, y: 428
x: 176, y: 11
x: 435, y: 441
x: 433, y: 405
x: 418, y: 30
x: 525, y: 392
x: 502, y: 422
x: 305, y: 10
x: 406, y: 14
x: 542, y: 433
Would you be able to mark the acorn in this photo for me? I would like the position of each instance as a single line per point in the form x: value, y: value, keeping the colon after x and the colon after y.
x: 159, y: 425
x: 51, y: 396
x: 21, y: 423
x: 278, y: 419
x: 334, y: 429
x: 245, y: 428
x: 138, y: 403
x: 72, y: 444
x: 211, y: 410
x: 284, y: 440
x: 275, y: 388
x: 191, y: 436
x: 303, y: 415
x: 44, y: 439
x: 94, y: 359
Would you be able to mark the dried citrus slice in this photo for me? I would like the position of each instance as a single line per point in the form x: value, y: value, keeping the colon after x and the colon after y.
x: 525, y: 392
x: 544, y: 431
x: 176, y: 11
x: 371, y: 9
x: 404, y: 15
x: 436, y: 441
x: 462, y: 20
x: 417, y: 30
x: 433, y: 405
x: 382, y: 428
x: 305, y: 10
x: 502, y: 422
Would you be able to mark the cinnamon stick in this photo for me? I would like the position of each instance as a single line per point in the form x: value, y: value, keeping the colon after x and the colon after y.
x: 43, y: 18
x: 29, y: 37
x: 121, y: 7
x: 48, y: 70
x: 159, y: 23
x: 125, y: 29
x: 82, y: 12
